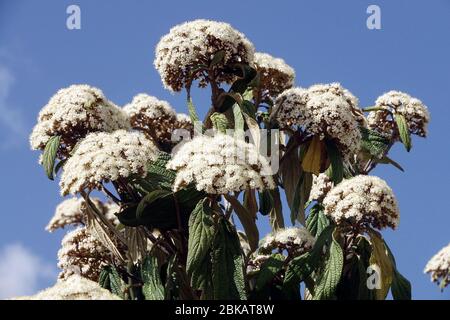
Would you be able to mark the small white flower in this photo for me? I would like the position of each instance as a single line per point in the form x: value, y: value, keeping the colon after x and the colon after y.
x: 414, y: 111
x: 219, y: 165
x: 321, y: 185
x: 439, y: 267
x: 82, y: 254
x: 104, y: 157
x: 72, y: 113
x: 276, y: 75
x: 74, y: 287
x: 193, y: 43
x: 325, y: 110
x: 363, y: 201
x: 156, y: 118
x: 297, y: 240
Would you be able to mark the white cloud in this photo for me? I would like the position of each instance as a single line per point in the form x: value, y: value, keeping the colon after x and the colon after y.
x: 21, y: 271
x: 10, y: 118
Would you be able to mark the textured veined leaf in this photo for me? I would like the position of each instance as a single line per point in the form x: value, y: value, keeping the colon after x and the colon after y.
x: 49, y: 155
x: 301, y: 196
x: 313, y: 157
x: 331, y: 275
x: 374, y: 143
x: 201, y: 233
x: 247, y: 219
x: 227, y: 264
x: 266, y: 202
x: 316, y: 221
x: 219, y: 121
x: 290, y: 171
x: 298, y: 270
x: 110, y: 279
x: 194, y: 116
x: 337, y: 165
x: 403, y: 130
x: 380, y: 259
x: 269, y: 270
x: 152, y: 288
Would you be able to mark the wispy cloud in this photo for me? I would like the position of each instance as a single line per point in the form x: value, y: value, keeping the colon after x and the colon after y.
x: 21, y: 271
x: 11, y: 118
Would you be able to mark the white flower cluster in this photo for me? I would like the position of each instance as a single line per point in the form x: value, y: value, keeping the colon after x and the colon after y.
x: 72, y: 211
x: 276, y: 75
x: 363, y: 201
x: 72, y: 113
x: 322, y: 184
x: 74, y: 287
x: 156, y: 118
x: 82, y: 254
x: 194, y: 43
x: 219, y: 165
x: 414, y: 111
x: 439, y: 267
x: 104, y: 157
x: 325, y: 110
x: 294, y: 240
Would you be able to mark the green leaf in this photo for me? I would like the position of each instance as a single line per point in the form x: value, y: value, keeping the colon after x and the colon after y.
x: 290, y: 172
x: 374, y: 143
x: 152, y: 288
x: 238, y: 120
x: 266, y: 202
x: 110, y: 279
x: 403, y: 130
x: 387, y: 160
x: 247, y: 219
x: 201, y: 277
x: 401, y: 287
x: 149, y: 199
x: 193, y: 115
x: 201, y: 233
x: 218, y: 58
x: 254, y: 129
x: 316, y: 221
x: 219, y: 121
x: 380, y: 258
x: 49, y: 155
x: 301, y: 197
x: 337, y: 166
x: 298, y: 270
x: 276, y: 214
x: 269, y: 270
x: 331, y: 275
x: 60, y: 165
x: 227, y: 264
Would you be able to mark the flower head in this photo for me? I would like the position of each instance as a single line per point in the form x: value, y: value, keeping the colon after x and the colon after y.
x: 219, y: 165
x: 73, y: 211
x: 439, y: 267
x: 104, y: 157
x: 395, y: 102
x: 321, y: 185
x: 363, y: 201
x: 72, y: 113
x: 82, y: 254
x: 194, y: 43
x: 74, y: 287
x: 325, y: 110
x: 156, y: 118
x: 276, y: 75
x: 293, y: 239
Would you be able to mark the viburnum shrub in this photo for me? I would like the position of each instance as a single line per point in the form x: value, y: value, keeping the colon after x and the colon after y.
x: 170, y: 189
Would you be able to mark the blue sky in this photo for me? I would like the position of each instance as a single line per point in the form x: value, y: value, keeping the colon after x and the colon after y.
x: 324, y: 41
